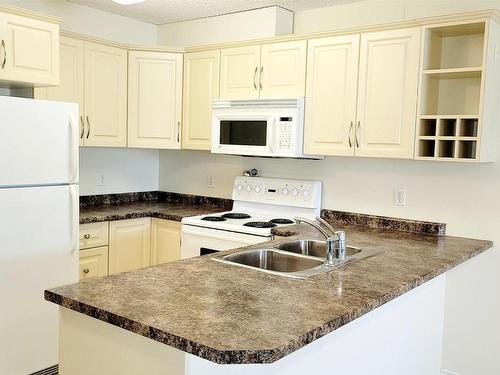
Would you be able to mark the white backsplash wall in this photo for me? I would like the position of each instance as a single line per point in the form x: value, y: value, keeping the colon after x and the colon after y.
x: 124, y: 170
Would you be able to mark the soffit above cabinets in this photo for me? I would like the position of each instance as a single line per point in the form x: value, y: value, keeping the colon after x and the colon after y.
x: 167, y: 11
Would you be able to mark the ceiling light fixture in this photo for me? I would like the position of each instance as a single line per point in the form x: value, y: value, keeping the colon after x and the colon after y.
x: 128, y: 2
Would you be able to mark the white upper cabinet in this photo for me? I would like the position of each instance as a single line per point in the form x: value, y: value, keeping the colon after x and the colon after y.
x: 332, y: 79
x: 387, y: 93
x: 269, y: 71
x: 105, y: 95
x: 201, y: 86
x: 29, y: 51
x: 283, y: 69
x: 239, y: 72
x: 70, y: 89
x: 154, y: 100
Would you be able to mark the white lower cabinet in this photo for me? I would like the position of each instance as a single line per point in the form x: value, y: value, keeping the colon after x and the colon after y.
x: 165, y: 241
x: 107, y: 248
x: 129, y: 244
x: 93, y: 262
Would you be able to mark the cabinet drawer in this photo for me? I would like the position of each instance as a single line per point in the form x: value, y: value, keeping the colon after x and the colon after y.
x: 93, y: 235
x: 94, y: 262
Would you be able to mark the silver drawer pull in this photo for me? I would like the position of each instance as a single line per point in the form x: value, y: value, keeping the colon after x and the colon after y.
x: 86, y: 270
x: 88, y: 123
x: 4, y: 54
x: 86, y: 236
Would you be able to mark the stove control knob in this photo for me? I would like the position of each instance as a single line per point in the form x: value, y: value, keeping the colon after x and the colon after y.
x: 257, y: 189
x: 305, y: 193
x: 249, y: 188
x: 240, y: 187
x: 295, y: 192
x: 284, y: 191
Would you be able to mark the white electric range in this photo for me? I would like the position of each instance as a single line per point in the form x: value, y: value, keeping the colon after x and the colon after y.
x: 260, y: 204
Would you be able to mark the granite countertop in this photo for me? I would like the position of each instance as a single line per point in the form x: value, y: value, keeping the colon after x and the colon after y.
x: 162, y: 205
x: 161, y: 210
x: 228, y: 314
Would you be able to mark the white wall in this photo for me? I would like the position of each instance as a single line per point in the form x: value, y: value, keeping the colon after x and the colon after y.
x: 253, y: 24
x: 124, y: 170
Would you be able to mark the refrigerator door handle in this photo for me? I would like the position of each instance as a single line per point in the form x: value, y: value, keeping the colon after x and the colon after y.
x: 73, y: 195
x: 74, y: 145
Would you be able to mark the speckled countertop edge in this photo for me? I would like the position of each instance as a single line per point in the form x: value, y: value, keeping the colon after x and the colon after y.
x: 256, y: 356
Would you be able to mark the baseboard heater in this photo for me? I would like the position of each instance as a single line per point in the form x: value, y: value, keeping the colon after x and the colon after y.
x: 52, y: 370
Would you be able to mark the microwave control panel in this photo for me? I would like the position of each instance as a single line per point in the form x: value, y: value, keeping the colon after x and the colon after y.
x: 285, y: 132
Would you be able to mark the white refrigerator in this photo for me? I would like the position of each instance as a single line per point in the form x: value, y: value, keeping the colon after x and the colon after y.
x: 38, y: 227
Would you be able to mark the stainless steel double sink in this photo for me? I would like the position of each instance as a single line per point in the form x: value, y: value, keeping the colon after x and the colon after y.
x: 296, y: 259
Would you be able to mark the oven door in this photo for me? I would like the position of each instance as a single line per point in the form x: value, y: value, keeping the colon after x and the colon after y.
x: 197, y: 241
x: 243, y: 134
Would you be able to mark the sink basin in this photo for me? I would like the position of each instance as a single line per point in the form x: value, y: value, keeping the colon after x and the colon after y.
x: 312, y: 248
x: 273, y: 260
x: 297, y: 259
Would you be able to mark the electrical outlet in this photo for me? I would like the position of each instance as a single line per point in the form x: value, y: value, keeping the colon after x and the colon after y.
x: 100, y: 180
x: 210, y: 181
x: 400, y: 197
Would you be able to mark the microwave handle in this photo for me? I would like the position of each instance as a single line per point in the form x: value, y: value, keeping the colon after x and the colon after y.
x: 273, y: 132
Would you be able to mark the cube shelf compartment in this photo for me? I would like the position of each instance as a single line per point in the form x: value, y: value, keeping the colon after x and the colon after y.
x: 447, y: 138
x: 454, y: 46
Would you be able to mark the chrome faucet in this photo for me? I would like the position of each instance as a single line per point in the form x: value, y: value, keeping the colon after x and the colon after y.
x: 335, y: 240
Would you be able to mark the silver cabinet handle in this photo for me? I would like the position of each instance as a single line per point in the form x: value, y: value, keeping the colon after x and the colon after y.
x: 178, y: 131
x: 350, y: 132
x: 86, y: 236
x: 356, y: 134
x: 4, y: 54
x: 86, y: 270
x: 88, y: 130
x: 255, y: 78
x: 83, y: 127
x: 260, y: 76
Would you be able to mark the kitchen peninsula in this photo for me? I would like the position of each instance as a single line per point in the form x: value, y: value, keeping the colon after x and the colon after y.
x: 197, y: 316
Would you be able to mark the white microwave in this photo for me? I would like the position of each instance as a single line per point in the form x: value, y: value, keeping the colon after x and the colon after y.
x: 259, y: 127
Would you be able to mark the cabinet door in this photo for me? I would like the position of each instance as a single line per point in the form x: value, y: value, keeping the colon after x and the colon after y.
x: 94, y: 262
x: 332, y: 78
x: 239, y: 72
x: 283, y: 69
x: 201, y: 86
x: 105, y: 95
x: 70, y: 87
x: 129, y: 244
x: 165, y: 241
x: 31, y: 51
x: 387, y: 96
x: 154, y: 100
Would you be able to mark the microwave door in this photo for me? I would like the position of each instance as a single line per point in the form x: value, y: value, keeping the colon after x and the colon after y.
x: 244, y: 135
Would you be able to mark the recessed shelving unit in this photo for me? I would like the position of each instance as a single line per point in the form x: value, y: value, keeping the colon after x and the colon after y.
x: 451, y: 87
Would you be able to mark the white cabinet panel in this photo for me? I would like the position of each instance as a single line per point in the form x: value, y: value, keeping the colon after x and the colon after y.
x: 129, y: 244
x: 387, y: 95
x: 154, y: 100
x: 239, y: 72
x: 332, y: 79
x: 201, y: 86
x: 283, y: 70
x: 31, y: 50
x: 165, y: 241
x: 105, y: 95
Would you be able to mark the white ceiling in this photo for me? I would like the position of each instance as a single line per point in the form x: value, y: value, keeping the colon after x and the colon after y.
x: 166, y: 11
